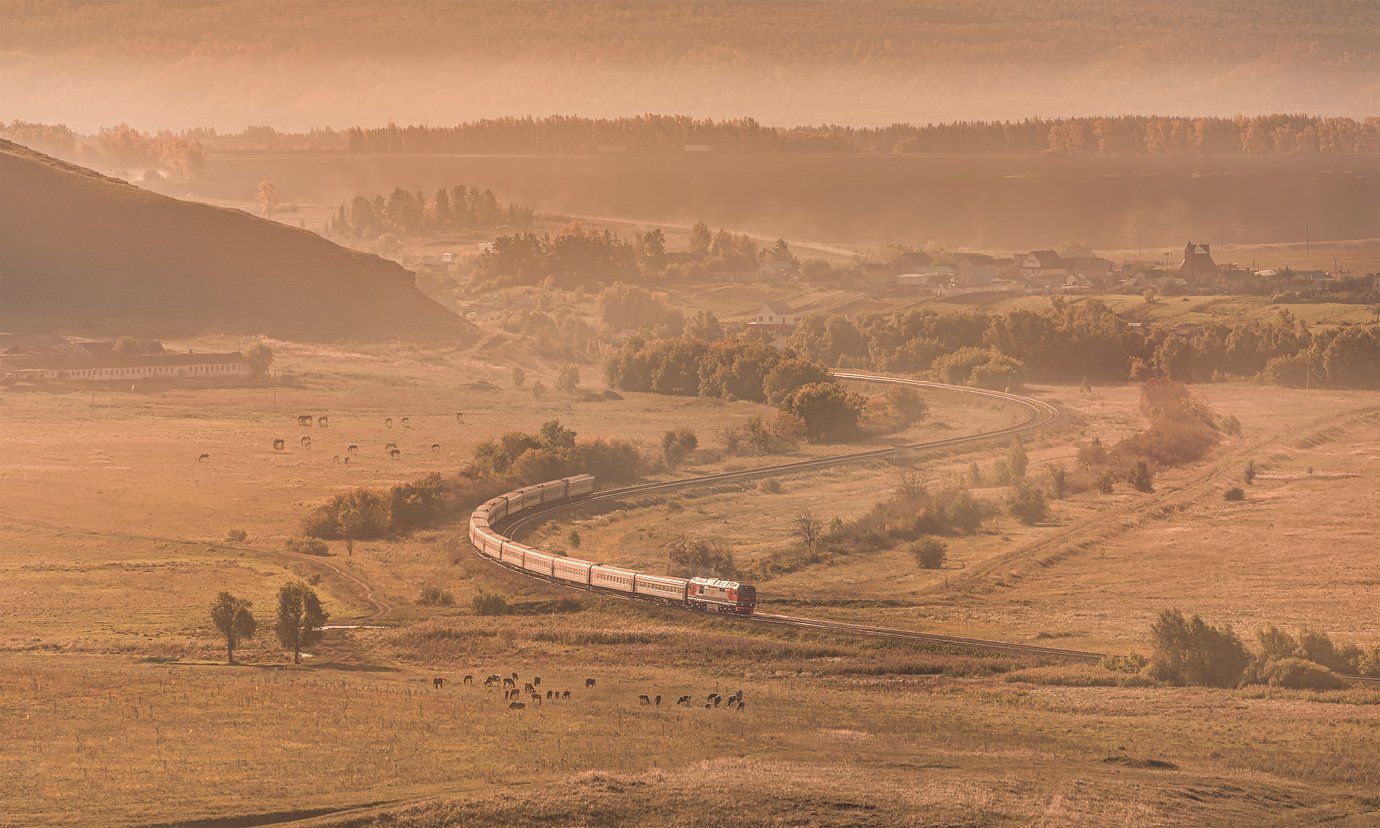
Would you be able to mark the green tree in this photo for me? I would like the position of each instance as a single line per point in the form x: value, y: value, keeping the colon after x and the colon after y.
x: 236, y: 623
x: 1058, y: 480
x: 830, y: 412
x: 567, y: 378
x: 1249, y: 472
x: 1027, y: 503
x: 1191, y: 651
x: 677, y: 444
x: 1016, y: 459
x: 259, y: 356
x: 573, y: 538
x: 300, y: 618
x: 700, y: 240
x: 1140, y: 477
x: 704, y: 325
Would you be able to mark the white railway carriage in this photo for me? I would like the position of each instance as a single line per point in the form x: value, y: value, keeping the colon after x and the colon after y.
x: 553, y: 491
x: 571, y: 569
x: 536, y: 561
x: 512, y: 553
x: 612, y: 577
x: 579, y: 485
x: 659, y: 586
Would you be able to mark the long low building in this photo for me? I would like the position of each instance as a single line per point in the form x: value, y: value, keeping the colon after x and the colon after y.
x: 122, y: 368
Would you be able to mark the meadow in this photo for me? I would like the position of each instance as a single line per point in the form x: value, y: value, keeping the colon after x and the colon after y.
x: 113, y: 542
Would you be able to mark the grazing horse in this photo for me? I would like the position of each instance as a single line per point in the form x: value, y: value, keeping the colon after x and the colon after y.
x: 347, y: 461
x: 389, y: 446
x: 740, y: 706
x: 304, y: 420
x: 435, y: 447
x: 279, y: 445
x: 517, y: 706
x: 589, y: 682
x: 565, y: 694
x: 527, y: 686
x: 643, y: 698
x: 469, y: 679
x: 507, y: 682
x: 459, y: 416
x: 406, y: 422
x: 306, y: 442
x: 683, y: 700
x: 658, y: 699
x: 536, y: 700
x: 203, y: 457
x: 321, y: 422
x: 536, y: 680
x: 438, y: 683
x: 336, y: 458
x: 352, y: 448
x: 388, y: 421
x: 394, y: 453
x: 550, y: 694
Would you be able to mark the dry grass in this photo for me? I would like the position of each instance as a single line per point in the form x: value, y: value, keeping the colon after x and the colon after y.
x: 111, y: 548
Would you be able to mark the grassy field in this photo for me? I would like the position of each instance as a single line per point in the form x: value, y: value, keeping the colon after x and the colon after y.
x: 112, y: 543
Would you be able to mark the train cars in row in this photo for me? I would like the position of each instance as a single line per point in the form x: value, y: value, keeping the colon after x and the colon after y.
x: 705, y: 594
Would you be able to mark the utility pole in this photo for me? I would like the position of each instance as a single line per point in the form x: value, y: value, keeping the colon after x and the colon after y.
x: 1221, y: 237
x: 1308, y: 238
x: 1139, y: 245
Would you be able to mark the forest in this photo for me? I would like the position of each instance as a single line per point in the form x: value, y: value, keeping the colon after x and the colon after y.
x: 1086, y: 341
x: 407, y: 215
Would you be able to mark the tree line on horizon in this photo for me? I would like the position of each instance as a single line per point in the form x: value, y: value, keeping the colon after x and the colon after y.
x: 408, y: 214
x: 1125, y: 135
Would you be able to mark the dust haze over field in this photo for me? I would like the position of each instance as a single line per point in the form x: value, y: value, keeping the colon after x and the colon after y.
x: 291, y: 66
x: 640, y: 413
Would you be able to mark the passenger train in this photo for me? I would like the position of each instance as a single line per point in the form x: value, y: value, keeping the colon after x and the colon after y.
x: 705, y: 594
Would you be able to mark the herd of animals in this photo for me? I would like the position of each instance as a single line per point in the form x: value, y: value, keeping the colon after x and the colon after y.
x: 307, y: 420
x: 533, y: 692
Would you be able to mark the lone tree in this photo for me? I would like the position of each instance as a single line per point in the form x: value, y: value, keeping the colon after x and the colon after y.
x: 1058, y: 479
x: 1027, y: 503
x: 1017, y: 460
x: 1141, y: 477
x: 259, y: 356
x: 232, y: 617
x: 299, y: 618
x: 1249, y: 473
x: 567, y: 378
x: 808, y: 527
x: 519, y: 376
x: 267, y: 197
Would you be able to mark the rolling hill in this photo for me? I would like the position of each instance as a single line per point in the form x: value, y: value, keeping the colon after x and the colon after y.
x: 80, y: 251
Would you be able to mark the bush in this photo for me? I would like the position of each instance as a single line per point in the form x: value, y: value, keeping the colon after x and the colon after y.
x: 777, y: 434
x: 930, y: 553
x: 434, y: 596
x: 361, y: 514
x: 770, y: 485
x: 693, y: 557
x: 1234, y: 494
x: 1027, y: 503
x: 677, y: 445
x: 1140, y: 477
x: 1301, y: 674
x: 1191, y: 651
x: 1130, y: 663
x: 489, y: 603
x: 306, y: 546
x: 236, y: 535
x: 567, y: 378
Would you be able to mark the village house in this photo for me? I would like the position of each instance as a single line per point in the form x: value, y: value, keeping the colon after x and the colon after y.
x: 774, y: 316
x: 1044, y: 264
x: 1197, y: 266
x: 934, y: 276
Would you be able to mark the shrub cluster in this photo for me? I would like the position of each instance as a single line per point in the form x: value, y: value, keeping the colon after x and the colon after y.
x: 696, y: 557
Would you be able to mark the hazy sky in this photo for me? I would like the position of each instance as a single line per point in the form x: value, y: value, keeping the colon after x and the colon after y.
x: 300, y: 64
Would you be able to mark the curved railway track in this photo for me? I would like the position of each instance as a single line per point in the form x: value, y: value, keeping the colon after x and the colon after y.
x: 1039, y: 415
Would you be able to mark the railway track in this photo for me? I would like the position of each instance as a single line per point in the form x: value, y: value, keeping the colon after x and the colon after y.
x: 1039, y: 414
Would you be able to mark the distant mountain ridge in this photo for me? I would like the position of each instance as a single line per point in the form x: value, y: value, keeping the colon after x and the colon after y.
x: 81, y: 250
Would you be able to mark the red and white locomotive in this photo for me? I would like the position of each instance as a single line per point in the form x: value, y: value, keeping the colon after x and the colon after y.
x: 705, y: 594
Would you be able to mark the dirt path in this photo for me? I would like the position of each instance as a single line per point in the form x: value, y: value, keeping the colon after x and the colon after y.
x: 1086, y: 534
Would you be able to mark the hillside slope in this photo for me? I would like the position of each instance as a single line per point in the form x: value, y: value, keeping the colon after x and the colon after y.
x: 80, y: 251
